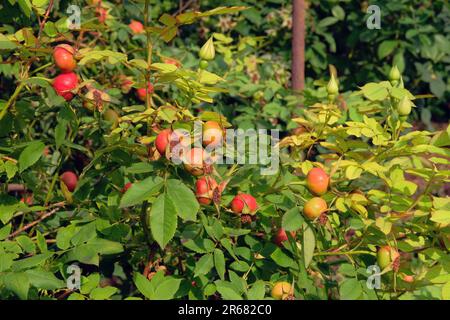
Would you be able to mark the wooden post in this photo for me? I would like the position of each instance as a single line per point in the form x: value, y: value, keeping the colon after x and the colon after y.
x: 298, y: 45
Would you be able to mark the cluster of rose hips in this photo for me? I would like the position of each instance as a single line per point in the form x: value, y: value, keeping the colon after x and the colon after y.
x: 207, y: 189
x: 67, y: 80
x: 317, y: 182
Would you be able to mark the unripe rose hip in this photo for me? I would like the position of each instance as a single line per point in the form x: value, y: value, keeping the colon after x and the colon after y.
x: 386, y: 255
x: 314, y: 208
x: 63, y: 55
x: 317, y: 181
x: 113, y: 117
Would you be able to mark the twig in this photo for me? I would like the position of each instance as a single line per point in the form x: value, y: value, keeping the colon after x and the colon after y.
x: 15, y: 187
x: 47, y: 13
x: 32, y: 224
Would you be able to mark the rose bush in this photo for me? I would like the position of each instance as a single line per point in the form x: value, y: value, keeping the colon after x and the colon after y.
x: 107, y: 194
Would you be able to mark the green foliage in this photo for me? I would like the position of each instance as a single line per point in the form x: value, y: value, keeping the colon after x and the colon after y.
x: 153, y: 240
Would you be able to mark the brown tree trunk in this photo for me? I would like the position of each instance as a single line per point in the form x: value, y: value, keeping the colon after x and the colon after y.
x: 298, y: 45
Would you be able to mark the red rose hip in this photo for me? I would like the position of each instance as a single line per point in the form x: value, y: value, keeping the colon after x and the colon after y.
x: 204, y: 189
x: 281, y: 236
x: 244, y: 203
x: 162, y: 141
x: 70, y: 179
x: 136, y: 27
x: 64, y: 83
x: 141, y: 93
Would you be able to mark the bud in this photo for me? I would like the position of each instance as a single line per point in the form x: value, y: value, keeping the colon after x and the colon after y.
x: 404, y: 106
x: 207, y: 52
x: 203, y: 64
x: 332, y: 87
x: 394, y: 74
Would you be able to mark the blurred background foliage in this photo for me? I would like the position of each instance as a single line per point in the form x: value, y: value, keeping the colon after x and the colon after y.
x: 255, y: 51
x: 414, y: 35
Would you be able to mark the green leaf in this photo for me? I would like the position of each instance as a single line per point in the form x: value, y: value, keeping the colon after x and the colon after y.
x: 26, y: 243
x: 41, y: 243
x: 292, y: 220
x: 228, y: 292
x: 50, y: 29
x: 338, y: 12
x: 18, y: 283
x: 219, y: 262
x: 204, y: 265
x: 144, y: 286
x: 386, y: 47
x: 6, y: 44
x: 104, y: 246
x: 76, y: 296
x: 31, y: 261
x: 167, y: 20
x: 44, y: 280
x: 11, y: 169
x: 25, y: 6
x: 184, y: 200
x: 64, y: 236
x: 85, y: 233
x: 140, y: 191
x: 222, y: 10
x: 282, y: 259
x: 6, y: 261
x: 446, y: 291
x: 163, y: 219
x: 60, y: 133
x: 328, y: 21
x: 5, y: 231
x: 441, y: 216
x: 30, y: 155
x: 374, y: 91
x: 167, y: 289
x: 353, y: 172
x: 102, y: 293
x: 309, y: 244
x: 98, y: 55
x: 350, y: 289
x: 89, y: 283
x: 257, y: 291
x: 199, y: 245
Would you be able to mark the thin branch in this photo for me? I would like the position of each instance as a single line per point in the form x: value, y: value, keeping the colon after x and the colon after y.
x: 32, y: 224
